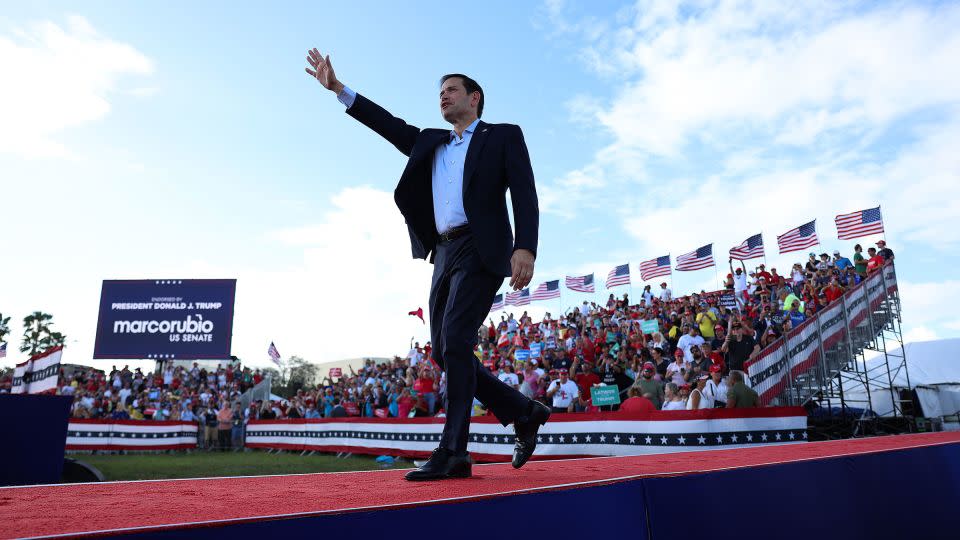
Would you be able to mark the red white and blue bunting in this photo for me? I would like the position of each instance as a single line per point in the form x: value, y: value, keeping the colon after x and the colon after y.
x: 565, y: 435
x: 84, y: 434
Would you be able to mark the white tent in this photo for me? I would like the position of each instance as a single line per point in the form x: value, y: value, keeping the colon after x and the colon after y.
x: 934, y: 371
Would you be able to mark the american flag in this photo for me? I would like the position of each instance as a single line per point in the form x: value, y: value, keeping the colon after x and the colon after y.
x: 547, y: 291
x: 697, y: 259
x: 3, y: 350
x: 274, y: 353
x: 497, y: 303
x: 580, y: 283
x: 802, y: 237
x: 519, y: 298
x: 655, y: 268
x: 860, y: 223
x: 751, y: 248
x: 620, y: 275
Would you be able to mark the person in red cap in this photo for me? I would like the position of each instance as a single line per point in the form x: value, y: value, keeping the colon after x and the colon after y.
x: 585, y: 377
x: 650, y: 388
x: 679, y: 370
x: 715, y: 389
x: 563, y: 391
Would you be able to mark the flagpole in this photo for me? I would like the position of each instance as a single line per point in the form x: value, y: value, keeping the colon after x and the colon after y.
x: 883, y: 235
x: 819, y: 246
x: 672, y: 285
x: 631, y: 280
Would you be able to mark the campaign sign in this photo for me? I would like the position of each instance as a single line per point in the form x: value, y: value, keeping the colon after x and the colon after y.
x: 604, y: 395
x: 336, y: 373
x: 178, y: 318
x: 649, y: 327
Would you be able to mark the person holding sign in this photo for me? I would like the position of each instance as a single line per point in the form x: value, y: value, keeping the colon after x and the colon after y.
x: 452, y: 194
x: 563, y: 391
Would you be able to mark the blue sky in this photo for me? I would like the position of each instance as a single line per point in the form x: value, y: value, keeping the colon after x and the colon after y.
x: 183, y: 140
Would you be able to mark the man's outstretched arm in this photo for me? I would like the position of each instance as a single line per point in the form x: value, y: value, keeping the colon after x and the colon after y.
x: 393, y: 129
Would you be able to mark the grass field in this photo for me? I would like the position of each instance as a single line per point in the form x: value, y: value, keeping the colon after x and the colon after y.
x: 204, y: 464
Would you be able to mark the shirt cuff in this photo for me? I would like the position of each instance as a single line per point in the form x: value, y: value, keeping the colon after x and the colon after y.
x: 347, y: 97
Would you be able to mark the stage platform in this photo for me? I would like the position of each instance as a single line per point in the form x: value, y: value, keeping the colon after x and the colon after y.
x: 883, y: 487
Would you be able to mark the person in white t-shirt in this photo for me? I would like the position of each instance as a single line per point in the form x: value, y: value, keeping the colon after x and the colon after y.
x: 563, y: 391
x: 647, y: 296
x: 666, y: 294
x: 585, y: 309
x: 671, y: 398
x: 415, y: 355
x: 688, y: 340
x: 508, y: 377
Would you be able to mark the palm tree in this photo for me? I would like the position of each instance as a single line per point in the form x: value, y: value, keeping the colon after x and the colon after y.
x: 4, y: 327
x: 37, y: 334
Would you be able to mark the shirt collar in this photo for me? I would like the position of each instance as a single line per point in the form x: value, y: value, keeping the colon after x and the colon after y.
x: 470, y: 129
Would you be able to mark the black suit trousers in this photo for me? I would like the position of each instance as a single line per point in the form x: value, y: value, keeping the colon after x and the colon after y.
x: 460, y: 298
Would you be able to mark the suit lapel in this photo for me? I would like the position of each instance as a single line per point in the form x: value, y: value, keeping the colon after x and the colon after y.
x: 476, y: 146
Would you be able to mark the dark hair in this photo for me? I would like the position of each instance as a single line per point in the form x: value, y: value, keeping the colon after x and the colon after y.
x: 470, y: 85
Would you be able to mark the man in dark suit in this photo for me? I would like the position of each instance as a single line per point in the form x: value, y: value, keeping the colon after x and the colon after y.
x: 452, y: 194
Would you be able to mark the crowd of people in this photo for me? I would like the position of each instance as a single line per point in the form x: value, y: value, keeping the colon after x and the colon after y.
x: 206, y: 396
x: 693, y: 360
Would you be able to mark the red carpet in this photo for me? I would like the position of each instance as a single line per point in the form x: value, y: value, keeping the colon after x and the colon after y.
x: 91, y: 508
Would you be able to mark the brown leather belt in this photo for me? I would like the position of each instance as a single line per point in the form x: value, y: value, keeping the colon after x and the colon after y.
x: 454, y: 233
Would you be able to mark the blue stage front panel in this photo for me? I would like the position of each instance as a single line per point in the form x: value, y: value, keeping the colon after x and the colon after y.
x: 901, y: 494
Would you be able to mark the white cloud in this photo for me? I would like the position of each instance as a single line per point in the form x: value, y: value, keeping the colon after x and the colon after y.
x: 779, y: 111
x: 351, y: 294
x: 925, y: 304
x: 919, y: 334
x: 56, y: 78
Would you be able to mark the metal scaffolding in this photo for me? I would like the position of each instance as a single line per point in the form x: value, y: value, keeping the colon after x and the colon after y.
x: 824, y: 363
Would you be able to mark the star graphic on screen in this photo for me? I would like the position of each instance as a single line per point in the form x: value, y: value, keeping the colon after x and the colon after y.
x: 719, y: 439
x: 632, y: 439
x: 484, y: 438
x: 682, y: 440
x: 778, y: 436
x: 749, y: 437
x: 663, y: 440
x: 588, y: 438
x: 616, y: 438
x: 649, y: 439
x: 701, y: 439
x: 561, y: 438
x: 763, y: 437
x: 603, y: 438
x: 573, y: 438
x: 733, y: 437
x: 804, y: 435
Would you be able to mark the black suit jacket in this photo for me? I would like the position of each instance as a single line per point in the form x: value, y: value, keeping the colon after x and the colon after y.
x: 497, y: 159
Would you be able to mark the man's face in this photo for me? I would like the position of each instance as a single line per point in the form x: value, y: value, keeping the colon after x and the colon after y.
x: 455, y: 102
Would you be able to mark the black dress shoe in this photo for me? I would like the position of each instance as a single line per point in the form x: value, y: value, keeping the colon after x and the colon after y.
x: 526, y: 428
x: 443, y: 464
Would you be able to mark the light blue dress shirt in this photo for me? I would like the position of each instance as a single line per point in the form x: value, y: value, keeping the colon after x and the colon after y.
x: 448, y: 161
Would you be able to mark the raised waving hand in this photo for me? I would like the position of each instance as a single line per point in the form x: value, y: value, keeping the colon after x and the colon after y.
x: 322, y: 70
